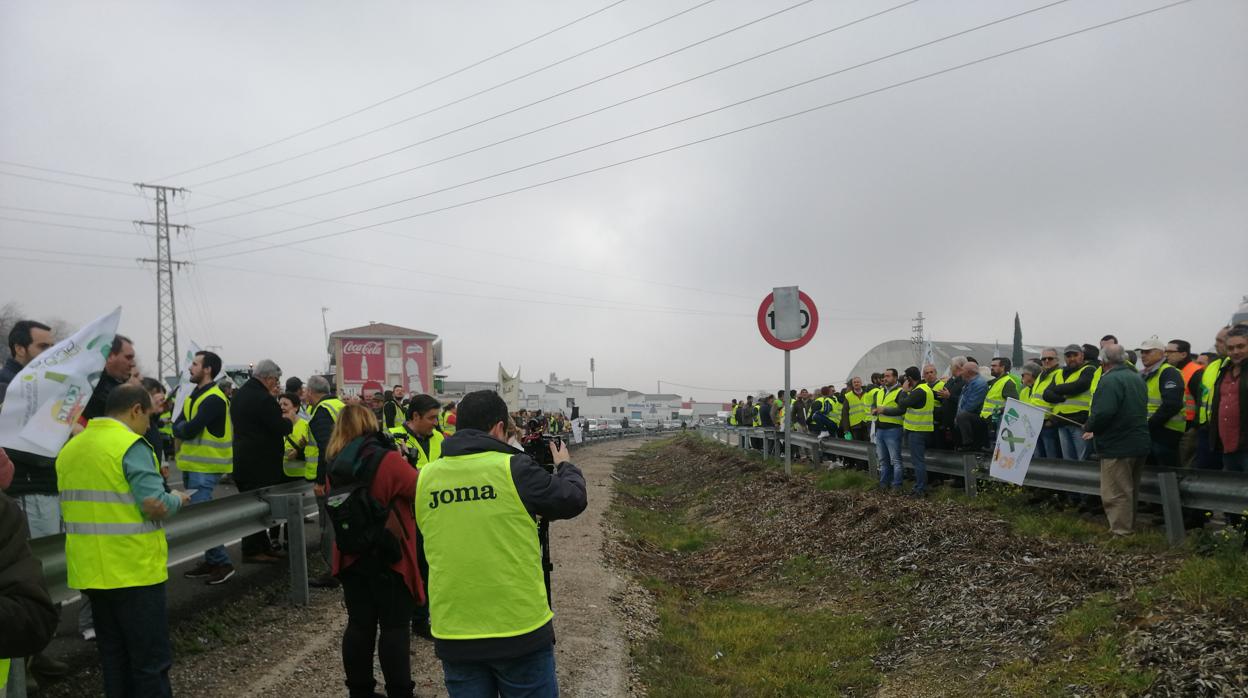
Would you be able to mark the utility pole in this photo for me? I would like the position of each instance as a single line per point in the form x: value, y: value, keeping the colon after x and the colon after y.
x: 166, y: 312
x: 592, y: 384
x: 325, y: 329
x: 917, y: 340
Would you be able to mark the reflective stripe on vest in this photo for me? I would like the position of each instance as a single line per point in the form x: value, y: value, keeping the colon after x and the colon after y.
x: 995, y: 399
x: 1176, y: 422
x: 1037, y: 390
x: 1074, y: 403
x: 108, y: 543
x: 888, y: 398
x: 207, y: 453
x: 920, y: 418
x: 295, y: 467
x: 312, y: 452
x: 732, y: 414
x: 485, y: 564
x: 1208, y: 379
x: 1189, y: 400
x: 4, y: 674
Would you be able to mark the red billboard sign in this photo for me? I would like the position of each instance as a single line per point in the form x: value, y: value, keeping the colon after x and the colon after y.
x: 363, y: 360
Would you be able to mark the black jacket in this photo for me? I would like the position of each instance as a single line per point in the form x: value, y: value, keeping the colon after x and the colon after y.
x: 560, y: 495
x: 321, y: 427
x: 259, y: 428
x: 7, y: 373
x: 99, y: 397
x: 1215, y: 438
x: 26, y: 612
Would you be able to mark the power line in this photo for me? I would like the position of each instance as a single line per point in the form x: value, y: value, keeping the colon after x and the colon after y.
x: 544, y: 99
x: 76, y: 264
x: 439, y: 292
x: 452, y: 103
x: 62, y: 213
x: 64, y: 172
x: 68, y: 184
x: 404, y: 93
x: 60, y: 252
x: 659, y: 127
x: 74, y: 227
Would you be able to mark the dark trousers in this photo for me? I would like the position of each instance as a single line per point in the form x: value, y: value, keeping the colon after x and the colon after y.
x: 256, y: 543
x: 377, y: 597
x: 1165, y: 447
x: 971, y: 430
x: 132, y: 636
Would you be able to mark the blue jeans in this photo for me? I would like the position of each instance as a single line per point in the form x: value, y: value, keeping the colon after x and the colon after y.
x: 530, y: 676
x: 132, y: 635
x: 204, y: 484
x: 917, y: 441
x: 888, y: 448
x: 1048, y: 448
x: 1073, y: 445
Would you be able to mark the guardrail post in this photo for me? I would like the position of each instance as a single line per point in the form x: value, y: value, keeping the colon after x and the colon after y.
x: 873, y: 462
x: 816, y: 453
x: 969, y: 484
x: 1171, y: 507
x: 17, y: 679
x: 290, y: 507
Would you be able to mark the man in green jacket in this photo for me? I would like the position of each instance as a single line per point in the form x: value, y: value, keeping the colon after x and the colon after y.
x: 1118, y: 421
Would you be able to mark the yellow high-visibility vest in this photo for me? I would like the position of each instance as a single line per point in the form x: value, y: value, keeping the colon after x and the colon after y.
x: 207, y: 453
x: 1208, y: 379
x: 485, y: 564
x: 312, y: 452
x: 1074, y: 403
x: 995, y: 397
x: 1177, y: 421
x: 108, y: 542
x: 921, y: 418
x: 886, y: 399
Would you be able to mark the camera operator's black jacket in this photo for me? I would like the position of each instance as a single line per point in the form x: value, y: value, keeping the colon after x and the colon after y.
x: 560, y: 495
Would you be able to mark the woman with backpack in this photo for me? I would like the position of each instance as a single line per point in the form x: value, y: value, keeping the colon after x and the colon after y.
x: 371, y: 491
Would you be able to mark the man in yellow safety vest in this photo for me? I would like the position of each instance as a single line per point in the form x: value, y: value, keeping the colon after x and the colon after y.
x: 113, y: 500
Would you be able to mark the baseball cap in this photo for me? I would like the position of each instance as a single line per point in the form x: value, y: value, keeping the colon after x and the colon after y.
x: 1072, y: 349
x: 1152, y: 343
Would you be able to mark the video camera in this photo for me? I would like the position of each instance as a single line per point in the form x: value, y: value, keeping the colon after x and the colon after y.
x: 537, y: 442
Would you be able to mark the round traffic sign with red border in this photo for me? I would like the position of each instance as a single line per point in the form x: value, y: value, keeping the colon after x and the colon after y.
x: 766, y: 322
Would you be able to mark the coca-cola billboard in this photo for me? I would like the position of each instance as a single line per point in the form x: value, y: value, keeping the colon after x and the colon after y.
x: 363, y: 360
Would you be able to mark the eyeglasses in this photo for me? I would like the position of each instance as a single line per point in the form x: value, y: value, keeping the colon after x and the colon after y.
x: 1048, y: 358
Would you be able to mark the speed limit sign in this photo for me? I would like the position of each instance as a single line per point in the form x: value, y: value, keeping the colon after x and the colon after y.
x: 787, y: 322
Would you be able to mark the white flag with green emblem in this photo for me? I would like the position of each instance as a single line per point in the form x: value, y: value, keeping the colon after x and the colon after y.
x: 46, y: 397
x: 1016, y: 440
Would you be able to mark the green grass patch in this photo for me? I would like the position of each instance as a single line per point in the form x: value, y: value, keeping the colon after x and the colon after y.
x: 1096, y: 615
x: 1219, y: 582
x: 666, y: 530
x: 802, y: 570
x: 1095, y: 668
x: 845, y: 480
x: 711, y: 647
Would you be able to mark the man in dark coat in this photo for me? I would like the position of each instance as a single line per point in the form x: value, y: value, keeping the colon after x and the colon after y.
x: 1118, y: 421
x: 259, y: 433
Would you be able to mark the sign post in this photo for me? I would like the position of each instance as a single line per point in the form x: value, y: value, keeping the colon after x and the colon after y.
x: 787, y: 319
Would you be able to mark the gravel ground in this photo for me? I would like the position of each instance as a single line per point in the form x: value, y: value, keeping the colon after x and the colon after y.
x: 272, y: 649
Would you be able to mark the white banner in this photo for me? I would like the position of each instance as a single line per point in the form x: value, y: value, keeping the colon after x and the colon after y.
x: 47, y: 396
x: 509, y: 388
x: 1016, y: 441
x: 185, y: 385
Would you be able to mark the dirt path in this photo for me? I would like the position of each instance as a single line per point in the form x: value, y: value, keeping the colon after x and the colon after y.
x: 296, y: 651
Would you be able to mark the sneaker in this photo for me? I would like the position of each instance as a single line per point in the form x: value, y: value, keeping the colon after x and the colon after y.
x: 220, y: 574
x: 88, y: 634
x: 823, y: 435
x: 203, y: 569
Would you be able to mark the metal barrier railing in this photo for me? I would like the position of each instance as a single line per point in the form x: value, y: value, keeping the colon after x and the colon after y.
x: 1173, y: 488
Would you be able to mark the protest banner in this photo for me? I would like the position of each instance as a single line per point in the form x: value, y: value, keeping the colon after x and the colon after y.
x: 1016, y: 441
x: 47, y: 396
x: 185, y: 386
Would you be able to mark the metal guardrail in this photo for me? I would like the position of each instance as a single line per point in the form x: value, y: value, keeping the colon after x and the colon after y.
x: 1173, y: 488
x: 222, y: 521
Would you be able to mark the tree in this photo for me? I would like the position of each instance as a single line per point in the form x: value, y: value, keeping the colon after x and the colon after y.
x: 1017, y: 357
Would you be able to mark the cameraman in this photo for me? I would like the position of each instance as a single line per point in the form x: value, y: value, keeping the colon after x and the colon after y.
x: 476, y: 508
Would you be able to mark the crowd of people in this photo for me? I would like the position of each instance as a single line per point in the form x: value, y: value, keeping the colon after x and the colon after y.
x: 428, y: 519
x: 1158, y: 404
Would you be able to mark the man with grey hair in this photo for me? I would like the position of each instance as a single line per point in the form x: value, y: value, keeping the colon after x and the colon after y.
x: 1118, y: 420
x: 259, y: 434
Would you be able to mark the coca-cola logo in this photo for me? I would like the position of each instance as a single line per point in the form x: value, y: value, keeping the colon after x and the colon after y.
x: 366, y: 348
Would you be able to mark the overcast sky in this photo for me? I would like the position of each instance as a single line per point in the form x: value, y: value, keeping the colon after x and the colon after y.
x: 1093, y: 184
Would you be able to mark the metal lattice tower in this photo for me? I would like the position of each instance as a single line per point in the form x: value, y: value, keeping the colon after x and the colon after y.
x: 166, y: 311
x: 917, y: 340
